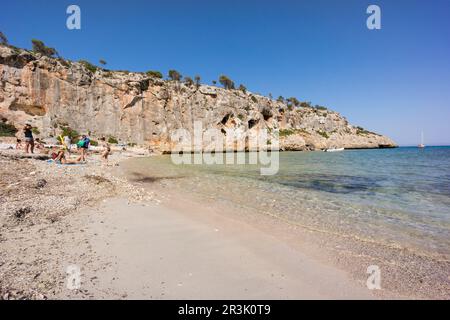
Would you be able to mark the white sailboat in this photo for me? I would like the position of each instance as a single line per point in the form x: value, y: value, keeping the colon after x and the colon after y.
x: 421, y: 145
x: 334, y: 149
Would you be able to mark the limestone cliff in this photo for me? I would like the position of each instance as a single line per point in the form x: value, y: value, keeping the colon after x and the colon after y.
x: 135, y: 108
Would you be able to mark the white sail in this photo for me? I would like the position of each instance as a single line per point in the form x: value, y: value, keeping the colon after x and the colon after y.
x: 422, y: 144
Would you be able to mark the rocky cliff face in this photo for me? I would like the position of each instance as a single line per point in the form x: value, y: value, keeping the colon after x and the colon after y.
x: 135, y: 108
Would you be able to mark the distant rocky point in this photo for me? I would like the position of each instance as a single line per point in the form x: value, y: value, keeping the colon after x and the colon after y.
x: 57, y: 95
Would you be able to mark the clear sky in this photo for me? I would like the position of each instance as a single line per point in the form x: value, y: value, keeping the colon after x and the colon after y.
x: 395, y: 81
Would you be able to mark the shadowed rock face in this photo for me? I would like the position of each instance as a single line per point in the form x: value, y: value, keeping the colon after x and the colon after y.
x: 136, y: 108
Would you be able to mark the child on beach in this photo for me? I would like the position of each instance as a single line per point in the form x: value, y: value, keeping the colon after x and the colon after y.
x: 19, y: 144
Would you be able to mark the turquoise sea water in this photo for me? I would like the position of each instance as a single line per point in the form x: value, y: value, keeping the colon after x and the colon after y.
x: 399, y: 197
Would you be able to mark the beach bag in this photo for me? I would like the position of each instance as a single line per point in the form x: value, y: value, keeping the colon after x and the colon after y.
x: 84, y: 143
x: 80, y: 144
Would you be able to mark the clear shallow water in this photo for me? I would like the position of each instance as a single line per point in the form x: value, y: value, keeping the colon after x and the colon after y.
x: 399, y: 197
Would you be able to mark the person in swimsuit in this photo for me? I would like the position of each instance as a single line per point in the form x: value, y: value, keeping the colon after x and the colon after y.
x: 106, y: 149
x: 60, y: 158
x: 29, y: 141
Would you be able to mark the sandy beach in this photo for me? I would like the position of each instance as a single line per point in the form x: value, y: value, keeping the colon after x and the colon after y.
x: 161, y: 253
x: 135, y: 239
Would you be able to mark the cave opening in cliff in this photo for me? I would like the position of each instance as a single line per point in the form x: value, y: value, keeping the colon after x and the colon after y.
x: 33, y: 110
x: 252, y: 123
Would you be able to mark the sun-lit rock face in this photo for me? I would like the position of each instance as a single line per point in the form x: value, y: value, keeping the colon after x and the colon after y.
x: 135, y: 108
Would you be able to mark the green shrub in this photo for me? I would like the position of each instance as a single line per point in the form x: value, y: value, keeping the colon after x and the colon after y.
x: 132, y: 144
x: 88, y: 66
x: 303, y: 131
x: 35, y: 130
x: 360, y: 130
x: 65, y: 63
x: 323, y: 134
x: 113, y: 140
x: 226, y: 82
x: 40, y: 47
x: 154, y: 74
x: 254, y: 99
x: 286, y: 132
x: 293, y: 101
x: 174, y: 75
x: 69, y: 132
x: 7, y: 130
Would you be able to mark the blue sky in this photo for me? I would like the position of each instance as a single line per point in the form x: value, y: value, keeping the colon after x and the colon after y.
x: 395, y: 81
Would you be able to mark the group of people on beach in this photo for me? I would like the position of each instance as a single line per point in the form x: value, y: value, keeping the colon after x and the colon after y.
x: 61, y: 153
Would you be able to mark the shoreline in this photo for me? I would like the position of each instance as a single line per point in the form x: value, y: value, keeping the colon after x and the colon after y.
x: 91, y: 231
x: 280, y: 150
x: 407, y: 272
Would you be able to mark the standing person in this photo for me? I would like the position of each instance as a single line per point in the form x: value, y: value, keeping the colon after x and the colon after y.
x: 83, y: 145
x: 29, y: 141
x: 106, y: 149
x: 67, y: 143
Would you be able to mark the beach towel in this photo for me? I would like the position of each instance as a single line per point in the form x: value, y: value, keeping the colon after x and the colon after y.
x: 65, y: 164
